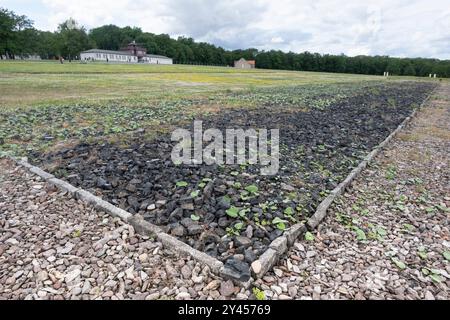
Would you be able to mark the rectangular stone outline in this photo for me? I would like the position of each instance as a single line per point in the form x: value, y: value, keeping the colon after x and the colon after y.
x: 277, y: 248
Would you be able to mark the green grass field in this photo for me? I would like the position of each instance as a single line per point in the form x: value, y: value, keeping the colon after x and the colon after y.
x: 33, y: 83
x: 43, y: 104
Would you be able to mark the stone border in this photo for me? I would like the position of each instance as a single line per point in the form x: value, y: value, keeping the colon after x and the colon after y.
x: 259, y: 267
x: 280, y: 245
x: 137, y: 221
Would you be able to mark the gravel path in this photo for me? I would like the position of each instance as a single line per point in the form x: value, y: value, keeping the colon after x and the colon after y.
x: 388, y: 236
x: 53, y: 247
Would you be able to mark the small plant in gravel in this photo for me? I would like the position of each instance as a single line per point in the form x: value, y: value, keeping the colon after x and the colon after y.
x: 408, y: 227
x: 288, y: 213
x: 235, y: 230
x: 344, y: 219
x: 391, y: 173
x: 252, y: 190
x: 181, y: 184
x: 195, y: 193
x: 377, y: 232
x: 76, y: 233
x: 259, y: 294
x: 360, y: 234
x: 309, y: 236
x: 435, y: 275
x: 400, y: 264
x: 238, y: 226
x: 249, y: 192
x: 446, y: 255
x: 201, y: 185
x: 422, y: 253
x: 233, y: 212
x: 279, y: 223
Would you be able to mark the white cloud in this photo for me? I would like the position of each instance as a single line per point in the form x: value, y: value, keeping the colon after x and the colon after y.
x: 276, y: 40
x: 399, y: 28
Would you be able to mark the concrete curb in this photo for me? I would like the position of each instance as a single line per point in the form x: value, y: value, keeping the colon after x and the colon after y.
x: 278, y: 247
x: 266, y: 261
x: 136, y: 221
x: 322, y: 208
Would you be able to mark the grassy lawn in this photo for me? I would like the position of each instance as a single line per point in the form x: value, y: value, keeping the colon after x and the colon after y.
x: 45, y: 103
x: 33, y: 83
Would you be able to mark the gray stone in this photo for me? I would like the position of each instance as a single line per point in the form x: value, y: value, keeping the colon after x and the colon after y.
x: 266, y: 260
x: 186, y: 222
x: 226, y: 288
x: 41, y: 173
x: 249, y: 232
x: 153, y: 296
x: 143, y: 227
x: 63, y: 185
x: 178, y: 231
x: 181, y: 247
x: 294, y: 233
x: 236, y: 269
x: 183, y: 296
x: 194, y: 229
x: 256, y: 267
x: 186, y: 272
x: 241, y: 241
x: 279, y: 245
x: 347, y: 277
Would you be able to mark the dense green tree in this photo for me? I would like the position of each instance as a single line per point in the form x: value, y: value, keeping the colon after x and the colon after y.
x: 19, y: 38
x: 109, y: 37
x: 72, y: 39
x: 11, y: 26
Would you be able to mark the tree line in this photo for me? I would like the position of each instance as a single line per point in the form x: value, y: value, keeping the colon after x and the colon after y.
x: 18, y: 38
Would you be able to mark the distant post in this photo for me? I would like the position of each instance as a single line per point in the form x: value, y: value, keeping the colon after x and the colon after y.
x: 434, y: 76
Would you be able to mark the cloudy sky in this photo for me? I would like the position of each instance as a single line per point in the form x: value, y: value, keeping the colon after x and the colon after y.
x: 401, y: 28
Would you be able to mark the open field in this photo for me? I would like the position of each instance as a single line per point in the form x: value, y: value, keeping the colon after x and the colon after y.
x: 31, y: 83
x: 76, y: 100
x: 108, y: 131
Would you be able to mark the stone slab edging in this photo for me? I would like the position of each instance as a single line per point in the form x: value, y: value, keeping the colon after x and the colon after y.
x: 280, y: 245
x: 141, y: 226
x: 321, y: 210
x: 277, y: 248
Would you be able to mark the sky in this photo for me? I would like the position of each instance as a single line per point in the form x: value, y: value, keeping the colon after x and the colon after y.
x: 401, y: 28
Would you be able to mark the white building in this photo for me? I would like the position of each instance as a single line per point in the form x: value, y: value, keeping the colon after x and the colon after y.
x: 108, y: 56
x: 155, y: 59
x: 122, y: 57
